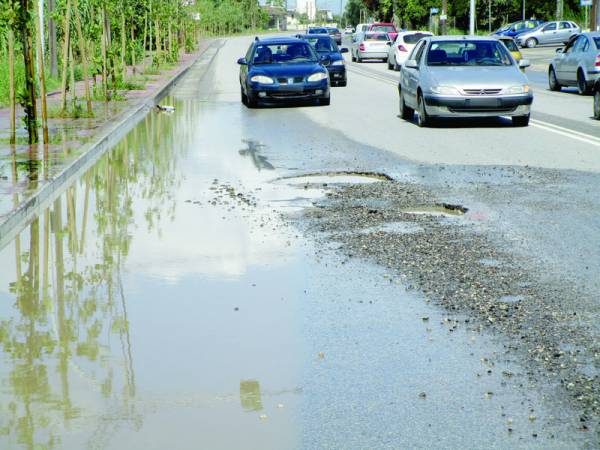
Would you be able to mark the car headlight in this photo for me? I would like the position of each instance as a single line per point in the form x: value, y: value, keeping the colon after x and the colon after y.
x: 262, y: 79
x: 524, y: 89
x: 317, y: 76
x: 339, y: 62
x: 444, y: 90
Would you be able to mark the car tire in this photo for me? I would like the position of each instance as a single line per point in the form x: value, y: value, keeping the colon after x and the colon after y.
x: 390, y: 65
x: 396, y: 66
x: 353, y: 58
x: 597, y: 103
x: 251, y: 101
x: 553, y: 83
x: 531, y: 43
x: 244, y: 97
x: 342, y: 84
x: 326, y: 101
x: 520, y: 121
x: 423, y: 119
x: 406, y: 112
x: 582, y: 85
x: 358, y: 59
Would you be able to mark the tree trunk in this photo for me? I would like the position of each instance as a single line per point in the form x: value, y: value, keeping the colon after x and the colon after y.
x: 72, y: 67
x: 104, y: 59
x: 41, y: 74
x: 66, y: 47
x: 11, y: 85
x: 29, y: 94
x: 52, y: 43
x: 123, y: 47
x: 133, y: 50
x: 157, y: 36
x: 88, y: 97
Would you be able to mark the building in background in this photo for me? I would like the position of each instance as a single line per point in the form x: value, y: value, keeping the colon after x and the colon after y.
x: 308, y: 7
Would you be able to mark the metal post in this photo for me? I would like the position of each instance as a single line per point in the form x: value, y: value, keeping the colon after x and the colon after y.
x: 490, y: 16
x: 472, y: 18
x: 444, y: 15
x: 523, y: 9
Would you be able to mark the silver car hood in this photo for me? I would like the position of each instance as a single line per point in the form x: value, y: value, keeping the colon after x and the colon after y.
x: 476, y: 76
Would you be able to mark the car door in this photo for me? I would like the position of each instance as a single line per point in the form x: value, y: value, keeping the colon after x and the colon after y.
x: 548, y: 34
x: 565, y: 31
x: 570, y: 60
x: 410, y: 77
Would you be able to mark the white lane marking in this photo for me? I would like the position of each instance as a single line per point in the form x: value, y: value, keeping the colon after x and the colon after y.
x: 587, y: 138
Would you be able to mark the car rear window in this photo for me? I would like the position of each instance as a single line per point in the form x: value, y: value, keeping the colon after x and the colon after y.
x: 377, y: 37
x: 317, y: 31
x: 468, y: 53
x: 385, y: 28
x: 333, y: 30
x: 414, y: 38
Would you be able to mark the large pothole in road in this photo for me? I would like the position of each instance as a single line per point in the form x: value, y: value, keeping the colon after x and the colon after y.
x: 344, y: 177
x: 440, y: 209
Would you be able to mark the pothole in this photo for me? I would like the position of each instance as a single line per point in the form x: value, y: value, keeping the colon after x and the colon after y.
x: 441, y: 209
x: 345, y: 177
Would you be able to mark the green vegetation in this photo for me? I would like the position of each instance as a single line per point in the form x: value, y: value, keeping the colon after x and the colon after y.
x: 414, y: 14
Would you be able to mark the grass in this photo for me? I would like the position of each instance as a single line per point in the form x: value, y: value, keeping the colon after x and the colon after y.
x: 73, y: 111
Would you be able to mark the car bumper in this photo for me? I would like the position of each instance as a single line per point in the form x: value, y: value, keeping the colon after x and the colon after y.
x: 378, y: 55
x: 517, y: 105
x: 337, y: 73
x: 290, y: 92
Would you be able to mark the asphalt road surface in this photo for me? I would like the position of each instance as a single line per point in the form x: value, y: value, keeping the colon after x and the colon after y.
x: 312, y: 277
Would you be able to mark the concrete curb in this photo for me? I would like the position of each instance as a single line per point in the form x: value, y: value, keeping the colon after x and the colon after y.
x: 110, y: 134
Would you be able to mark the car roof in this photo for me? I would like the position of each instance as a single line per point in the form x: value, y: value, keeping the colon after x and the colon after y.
x: 404, y: 33
x: 461, y: 38
x: 279, y: 40
x: 314, y: 35
x: 592, y: 33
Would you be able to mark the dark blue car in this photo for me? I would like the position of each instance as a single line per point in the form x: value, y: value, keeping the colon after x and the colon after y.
x: 283, y: 69
x: 325, y: 45
x: 516, y: 28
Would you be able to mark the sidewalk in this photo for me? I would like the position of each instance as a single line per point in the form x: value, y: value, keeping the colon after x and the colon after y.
x: 26, y: 171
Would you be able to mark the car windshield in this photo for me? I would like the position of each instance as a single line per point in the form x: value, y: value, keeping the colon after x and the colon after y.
x: 384, y: 28
x: 333, y: 30
x: 414, y: 38
x: 323, y: 44
x: 597, y: 42
x: 284, y: 53
x: 468, y: 53
x: 376, y: 37
x: 510, y: 45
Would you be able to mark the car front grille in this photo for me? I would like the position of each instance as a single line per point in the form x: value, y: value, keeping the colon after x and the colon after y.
x: 290, y: 80
x: 482, y: 110
x: 493, y: 91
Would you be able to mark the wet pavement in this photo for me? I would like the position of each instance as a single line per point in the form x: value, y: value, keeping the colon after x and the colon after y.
x: 176, y: 295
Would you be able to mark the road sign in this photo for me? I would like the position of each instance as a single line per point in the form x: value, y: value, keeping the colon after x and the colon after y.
x: 586, y: 2
x: 443, y: 17
x: 437, y: 10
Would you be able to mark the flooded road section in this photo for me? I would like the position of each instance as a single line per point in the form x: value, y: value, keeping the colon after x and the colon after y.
x: 164, y: 301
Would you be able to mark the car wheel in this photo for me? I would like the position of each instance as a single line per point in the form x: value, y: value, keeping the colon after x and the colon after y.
x: 358, y: 59
x: 520, y: 121
x: 251, y: 101
x: 423, y: 119
x: 390, y: 65
x: 531, y: 43
x: 582, y: 85
x: 244, y: 96
x: 353, y: 58
x: 342, y: 83
x: 597, y: 103
x: 552, y: 81
x: 405, y: 112
x: 396, y: 66
x: 325, y: 101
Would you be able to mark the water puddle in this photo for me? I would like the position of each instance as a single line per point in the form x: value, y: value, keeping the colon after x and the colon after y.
x: 442, y: 209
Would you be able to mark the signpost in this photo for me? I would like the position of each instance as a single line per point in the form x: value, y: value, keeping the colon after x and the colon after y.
x: 586, y: 5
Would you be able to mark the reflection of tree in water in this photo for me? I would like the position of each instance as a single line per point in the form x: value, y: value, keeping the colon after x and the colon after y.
x: 253, y: 151
x: 68, y: 295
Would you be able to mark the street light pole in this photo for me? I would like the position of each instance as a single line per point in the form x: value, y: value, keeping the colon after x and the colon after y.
x: 472, y: 19
x: 523, y: 9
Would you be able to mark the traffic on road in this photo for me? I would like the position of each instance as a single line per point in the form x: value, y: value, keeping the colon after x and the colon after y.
x: 477, y: 76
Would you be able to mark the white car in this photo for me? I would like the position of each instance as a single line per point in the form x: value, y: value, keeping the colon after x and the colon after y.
x: 349, y: 29
x: 402, y: 46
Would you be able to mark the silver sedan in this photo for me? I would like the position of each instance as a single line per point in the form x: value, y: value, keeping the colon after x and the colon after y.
x: 460, y: 76
x: 577, y: 65
x: 557, y: 32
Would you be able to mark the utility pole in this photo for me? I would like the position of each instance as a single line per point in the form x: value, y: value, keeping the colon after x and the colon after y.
x: 559, y: 9
x: 444, y: 17
x: 490, y: 16
x: 472, y: 18
x: 523, y: 9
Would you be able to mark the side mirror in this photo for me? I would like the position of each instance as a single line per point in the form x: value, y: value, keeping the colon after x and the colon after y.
x: 559, y: 50
x: 388, y: 43
x: 242, y: 62
x: 343, y: 50
x: 524, y: 63
x: 325, y: 60
x: 411, y: 64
